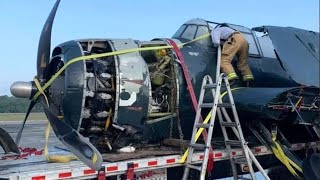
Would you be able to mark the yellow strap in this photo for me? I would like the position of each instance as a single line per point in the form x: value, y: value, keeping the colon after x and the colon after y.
x: 185, y: 154
x: 278, y: 152
x: 108, y: 120
x: 224, y: 93
x: 296, y: 105
x: 40, y: 90
x: 52, y: 158
x: 92, y: 57
x: 196, y: 39
x: 95, y: 56
x: 55, y: 158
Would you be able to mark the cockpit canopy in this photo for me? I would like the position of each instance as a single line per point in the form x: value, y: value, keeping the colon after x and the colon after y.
x: 296, y: 49
x: 193, y: 29
x: 198, y: 27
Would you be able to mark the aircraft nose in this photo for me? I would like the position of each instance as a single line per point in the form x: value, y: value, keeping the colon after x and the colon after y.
x: 22, y: 89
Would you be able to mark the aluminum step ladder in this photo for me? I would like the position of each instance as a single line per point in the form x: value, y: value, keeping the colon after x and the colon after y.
x: 198, y: 124
x: 219, y: 108
x: 239, y: 142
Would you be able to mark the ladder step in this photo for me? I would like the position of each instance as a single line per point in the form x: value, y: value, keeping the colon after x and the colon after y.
x: 229, y: 124
x: 194, y: 167
x: 240, y: 160
x: 210, y: 105
x: 202, y: 125
x: 234, y: 143
x: 206, y: 105
x: 225, y: 105
x: 198, y: 146
x: 210, y: 86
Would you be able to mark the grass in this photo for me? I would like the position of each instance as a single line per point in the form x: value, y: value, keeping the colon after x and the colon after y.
x: 20, y: 116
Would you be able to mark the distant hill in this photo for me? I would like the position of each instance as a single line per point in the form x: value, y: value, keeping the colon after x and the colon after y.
x: 16, y: 105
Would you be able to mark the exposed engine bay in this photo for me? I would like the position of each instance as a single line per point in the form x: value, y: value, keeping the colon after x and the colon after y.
x: 96, y: 93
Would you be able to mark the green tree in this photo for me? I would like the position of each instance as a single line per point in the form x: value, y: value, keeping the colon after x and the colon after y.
x: 16, y: 105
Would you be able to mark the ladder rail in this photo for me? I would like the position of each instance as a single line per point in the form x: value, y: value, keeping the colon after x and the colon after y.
x: 218, y: 63
x: 239, y: 129
x: 210, y: 132
x: 234, y: 129
x: 254, y: 159
x: 198, y: 115
x: 193, y: 138
x: 225, y: 135
x: 214, y: 108
x: 220, y: 112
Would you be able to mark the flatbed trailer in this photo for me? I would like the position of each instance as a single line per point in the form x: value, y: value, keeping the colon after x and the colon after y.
x: 36, y: 167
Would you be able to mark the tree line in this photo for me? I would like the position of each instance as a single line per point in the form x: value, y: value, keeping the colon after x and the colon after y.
x: 16, y: 105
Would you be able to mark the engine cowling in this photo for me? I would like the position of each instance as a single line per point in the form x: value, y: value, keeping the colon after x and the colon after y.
x: 118, y: 99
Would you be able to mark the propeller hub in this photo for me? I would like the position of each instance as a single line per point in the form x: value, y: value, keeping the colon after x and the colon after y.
x: 22, y: 89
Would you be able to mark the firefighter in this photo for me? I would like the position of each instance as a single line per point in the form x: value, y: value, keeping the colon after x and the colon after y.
x: 234, y: 44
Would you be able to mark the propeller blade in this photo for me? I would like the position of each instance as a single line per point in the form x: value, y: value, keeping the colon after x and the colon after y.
x: 18, y: 138
x: 7, y: 143
x: 45, y: 42
x: 77, y: 144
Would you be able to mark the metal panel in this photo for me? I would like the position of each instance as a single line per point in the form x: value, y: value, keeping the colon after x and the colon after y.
x: 133, y: 85
x: 75, y: 81
x: 298, y: 51
x: 200, y: 61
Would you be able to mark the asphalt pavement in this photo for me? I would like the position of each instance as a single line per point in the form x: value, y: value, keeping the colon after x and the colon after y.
x: 33, y: 135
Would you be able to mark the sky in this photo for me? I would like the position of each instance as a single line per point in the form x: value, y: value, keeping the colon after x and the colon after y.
x: 22, y: 21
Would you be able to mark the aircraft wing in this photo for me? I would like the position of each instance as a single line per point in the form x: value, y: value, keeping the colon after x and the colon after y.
x: 298, y: 50
x: 278, y: 103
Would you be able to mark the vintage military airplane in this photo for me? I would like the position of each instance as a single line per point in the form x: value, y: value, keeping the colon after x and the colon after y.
x: 124, y: 95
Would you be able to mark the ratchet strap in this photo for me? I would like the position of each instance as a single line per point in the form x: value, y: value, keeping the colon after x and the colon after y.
x: 279, y: 153
x: 51, y: 158
x: 67, y: 158
x: 192, y: 94
x: 96, y: 56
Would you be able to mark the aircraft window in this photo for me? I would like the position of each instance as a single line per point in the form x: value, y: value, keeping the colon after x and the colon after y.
x: 267, y: 47
x: 190, y: 32
x: 212, y: 24
x: 202, y: 30
x: 253, y: 49
x: 240, y: 28
x: 180, y: 31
